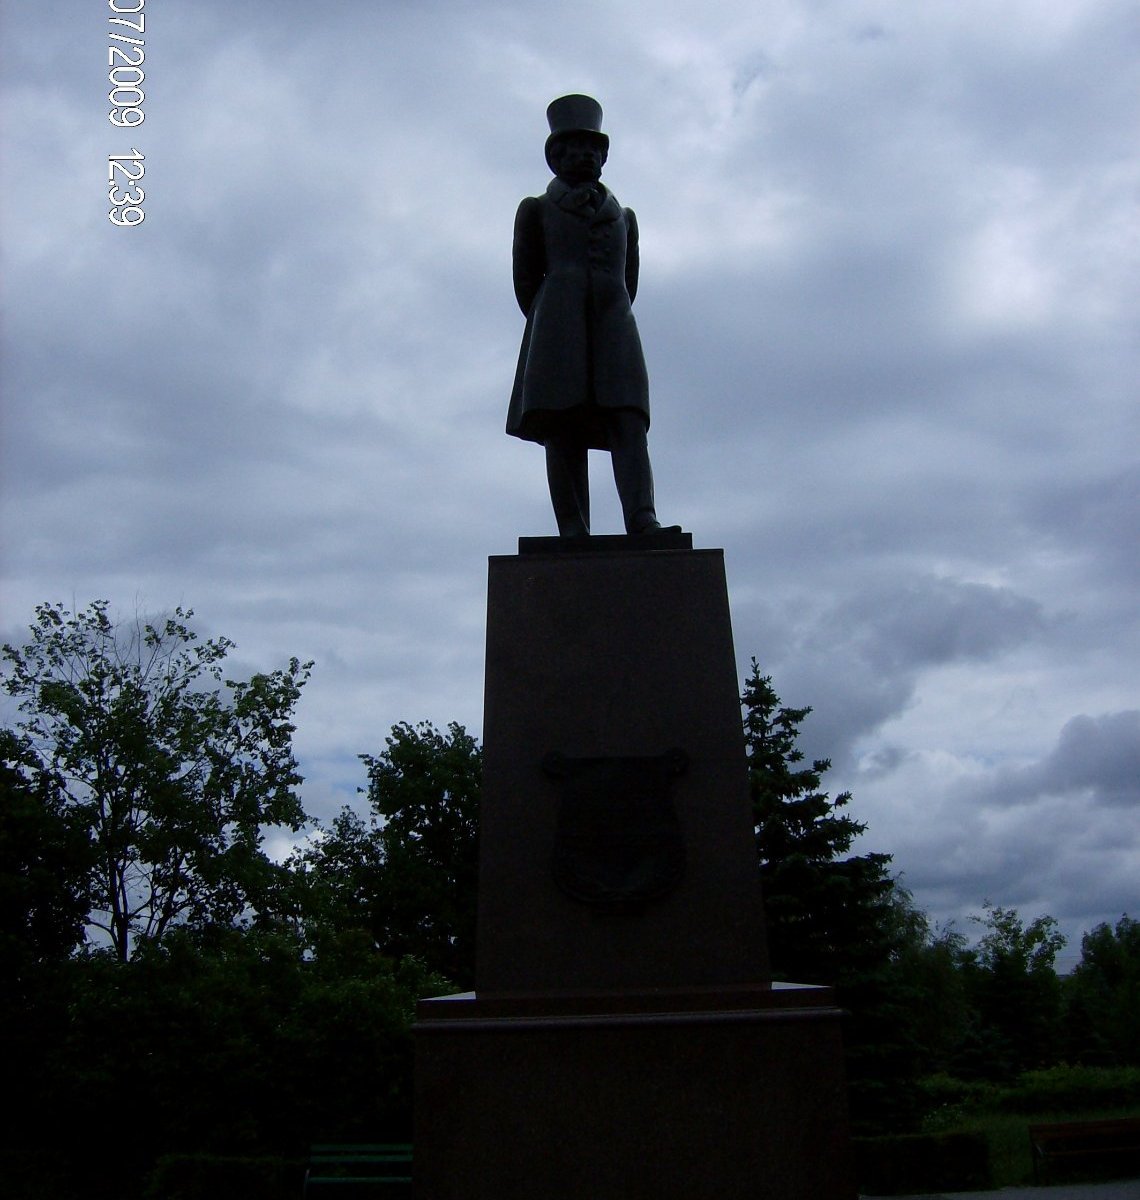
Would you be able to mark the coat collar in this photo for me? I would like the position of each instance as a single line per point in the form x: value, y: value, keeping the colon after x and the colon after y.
x: 570, y: 200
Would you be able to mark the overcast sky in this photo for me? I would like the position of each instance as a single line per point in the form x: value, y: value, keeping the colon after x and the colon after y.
x: 889, y: 308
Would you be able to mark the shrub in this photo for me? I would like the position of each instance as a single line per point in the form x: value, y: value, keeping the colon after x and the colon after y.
x: 1063, y: 1088
x: 947, y: 1102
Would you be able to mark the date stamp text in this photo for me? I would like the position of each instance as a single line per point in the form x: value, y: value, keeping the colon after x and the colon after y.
x: 125, y: 56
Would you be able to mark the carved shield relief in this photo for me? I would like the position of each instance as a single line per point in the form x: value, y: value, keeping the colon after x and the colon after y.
x: 618, y: 843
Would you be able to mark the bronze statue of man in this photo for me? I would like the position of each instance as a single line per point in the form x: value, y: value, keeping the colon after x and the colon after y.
x: 581, y: 381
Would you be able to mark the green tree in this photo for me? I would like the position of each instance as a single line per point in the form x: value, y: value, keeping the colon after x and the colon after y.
x: 220, y: 1041
x: 1014, y: 994
x: 45, y: 865
x: 172, y: 770
x: 932, y: 977
x: 1103, y: 997
x: 1010, y: 945
x: 407, y: 874
x: 44, y: 868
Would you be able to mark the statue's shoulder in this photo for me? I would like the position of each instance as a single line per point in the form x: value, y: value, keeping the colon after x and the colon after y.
x: 528, y: 219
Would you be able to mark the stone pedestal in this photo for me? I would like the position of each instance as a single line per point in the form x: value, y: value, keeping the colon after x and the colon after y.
x: 675, y: 1096
x: 624, y: 1039
x: 613, y: 655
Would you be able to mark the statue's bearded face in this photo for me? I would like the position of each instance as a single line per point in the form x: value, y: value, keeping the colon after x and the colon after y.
x: 578, y: 158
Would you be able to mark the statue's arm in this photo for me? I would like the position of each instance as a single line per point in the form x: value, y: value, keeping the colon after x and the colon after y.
x: 632, y: 254
x: 528, y: 256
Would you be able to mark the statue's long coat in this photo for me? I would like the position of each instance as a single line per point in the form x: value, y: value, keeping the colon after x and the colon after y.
x: 575, y: 274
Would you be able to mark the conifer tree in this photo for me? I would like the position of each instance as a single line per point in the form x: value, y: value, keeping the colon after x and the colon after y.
x: 822, y: 907
x: 832, y: 918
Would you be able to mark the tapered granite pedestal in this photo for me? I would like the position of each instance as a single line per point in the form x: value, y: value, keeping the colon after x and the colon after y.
x: 624, y: 1039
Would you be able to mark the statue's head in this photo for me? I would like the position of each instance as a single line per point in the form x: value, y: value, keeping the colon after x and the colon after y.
x: 576, y: 149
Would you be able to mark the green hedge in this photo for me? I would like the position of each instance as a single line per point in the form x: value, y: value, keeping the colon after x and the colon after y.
x: 1072, y: 1089
x: 945, y: 1162
x: 1062, y: 1089
x: 217, y: 1177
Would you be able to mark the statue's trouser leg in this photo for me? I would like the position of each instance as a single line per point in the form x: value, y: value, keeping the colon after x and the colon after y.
x: 567, y: 473
x: 633, y: 475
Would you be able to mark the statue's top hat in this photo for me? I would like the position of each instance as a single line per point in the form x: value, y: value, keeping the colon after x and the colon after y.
x: 574, y: 114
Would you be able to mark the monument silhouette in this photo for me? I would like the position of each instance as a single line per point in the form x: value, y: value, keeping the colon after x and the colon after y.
x: 625, y: 1038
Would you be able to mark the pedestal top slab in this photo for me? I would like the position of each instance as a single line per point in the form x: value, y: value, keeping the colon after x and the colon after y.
x: 606, y: 543
x: 672, y: 1003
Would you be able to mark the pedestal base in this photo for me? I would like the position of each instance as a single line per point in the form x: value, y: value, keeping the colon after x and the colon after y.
x: 624, y: 1042
x: 735, y: 1094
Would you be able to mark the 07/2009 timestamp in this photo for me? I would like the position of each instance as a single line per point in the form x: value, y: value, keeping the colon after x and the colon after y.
x: 125, y: 56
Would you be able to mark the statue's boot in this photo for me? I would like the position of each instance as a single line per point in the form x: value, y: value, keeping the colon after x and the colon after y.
x: 629, y: 450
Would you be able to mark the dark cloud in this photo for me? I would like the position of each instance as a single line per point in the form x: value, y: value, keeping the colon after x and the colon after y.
x: 929, y: 622
x: 1094, y: 519
x: 1096, y: 760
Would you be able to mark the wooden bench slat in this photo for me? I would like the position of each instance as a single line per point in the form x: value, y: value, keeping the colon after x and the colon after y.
x: 326, y: 1157
x: 347, y: 1158
x: 1083, y: 1139
x: 360, y: 1179
x: 363, y: 1146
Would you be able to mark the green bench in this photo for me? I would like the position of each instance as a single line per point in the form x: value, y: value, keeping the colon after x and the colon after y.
x: 1085, y: 1144
x: 371, y: 1164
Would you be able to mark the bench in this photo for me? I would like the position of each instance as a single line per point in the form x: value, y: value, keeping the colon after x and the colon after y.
x: 371, y: 1164
x: 1085, y: 1142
